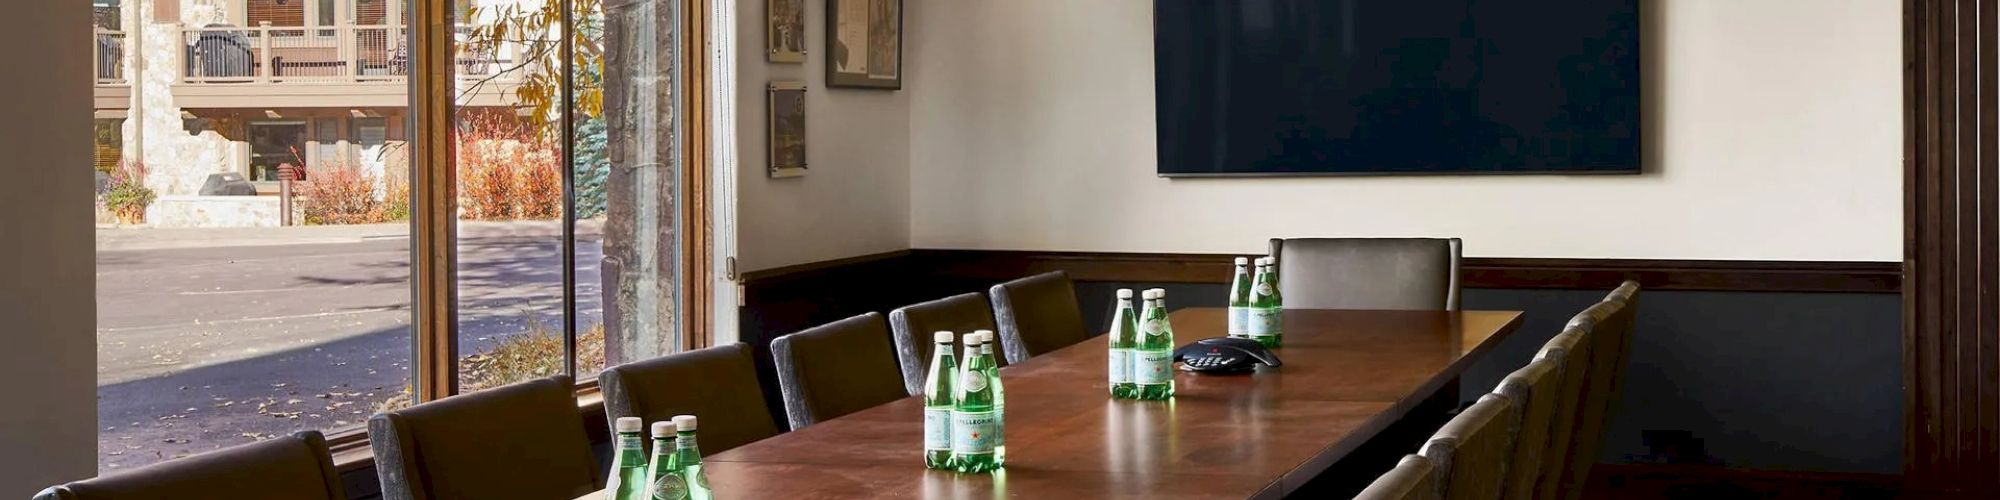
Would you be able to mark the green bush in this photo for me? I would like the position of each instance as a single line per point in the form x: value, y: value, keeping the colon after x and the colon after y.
x: 128, y: 195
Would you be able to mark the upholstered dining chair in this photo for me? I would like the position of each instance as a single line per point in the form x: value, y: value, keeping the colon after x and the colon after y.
x: 516, y: 441
x: 1414, y: 478
x: 913, y: 325
x: 1473, y: 450
x: 1570, y: 351
x: 1609, y: 344
x: 1369, y: 273
x: 1037, y: 314
x: 836, y: 369
x: 718, y: 384
x: 1533, y: 390
x: 295, y: 467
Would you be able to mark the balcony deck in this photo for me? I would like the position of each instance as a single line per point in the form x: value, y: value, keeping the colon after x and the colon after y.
x: 295, y: 67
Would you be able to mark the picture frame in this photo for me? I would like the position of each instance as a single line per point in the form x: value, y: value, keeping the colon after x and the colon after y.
x: 864, y: 44
x: 785, y: 31
x: 786, y: 133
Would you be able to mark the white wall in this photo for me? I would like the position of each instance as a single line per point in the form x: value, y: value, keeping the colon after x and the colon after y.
x: 1773, y: 131
x: 855, y: 198
x: 47, y: 311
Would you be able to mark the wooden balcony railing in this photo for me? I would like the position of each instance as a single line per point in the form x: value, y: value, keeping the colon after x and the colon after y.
x: 319, y: 55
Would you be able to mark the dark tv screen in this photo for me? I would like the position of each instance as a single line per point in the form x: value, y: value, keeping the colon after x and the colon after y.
x: 1312, y: 87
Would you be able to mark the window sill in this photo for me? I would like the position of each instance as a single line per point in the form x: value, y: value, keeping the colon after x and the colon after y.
x: 351, y: 452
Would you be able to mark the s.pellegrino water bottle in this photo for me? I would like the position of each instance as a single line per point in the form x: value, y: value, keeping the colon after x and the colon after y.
x: 667, y: 483
x: 687, y: 457
x: 939, y: 400
x: 1267, y: 307
x: 1124, y: 339
x: 974, y: 420
x: 1239, y: 299
x: 628, y: 462
x: 1153, y: 361
x: 999, y: 396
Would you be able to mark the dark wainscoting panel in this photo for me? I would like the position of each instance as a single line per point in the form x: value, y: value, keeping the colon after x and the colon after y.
x: 1773, y: 365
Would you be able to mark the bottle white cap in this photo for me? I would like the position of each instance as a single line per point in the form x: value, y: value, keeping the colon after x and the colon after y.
x: 1242, y: 260
x: 941, y: 337
x: 664, y: 428
x: 1124, y: 293
x: 630, y: 424
x: 684, y: 422
x: 1152, y: 294
x: 970, y: 339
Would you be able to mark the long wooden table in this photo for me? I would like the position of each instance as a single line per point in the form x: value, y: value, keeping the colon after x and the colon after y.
x: 1346, y: 376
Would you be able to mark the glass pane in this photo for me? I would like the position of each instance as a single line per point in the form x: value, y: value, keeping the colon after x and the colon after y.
x: 635, y: 139
x: 218, y: 325
x: 510, y: 273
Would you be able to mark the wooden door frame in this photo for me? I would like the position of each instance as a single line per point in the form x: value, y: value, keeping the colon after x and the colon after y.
x: 1951, y: 323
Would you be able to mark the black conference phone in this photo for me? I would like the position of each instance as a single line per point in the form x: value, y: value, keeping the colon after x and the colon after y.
x: 1224, y: 355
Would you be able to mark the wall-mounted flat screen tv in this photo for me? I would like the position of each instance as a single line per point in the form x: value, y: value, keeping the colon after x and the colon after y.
x: 1317, y: 87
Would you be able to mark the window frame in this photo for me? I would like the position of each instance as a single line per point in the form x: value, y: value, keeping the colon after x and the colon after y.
x: 433, y: 218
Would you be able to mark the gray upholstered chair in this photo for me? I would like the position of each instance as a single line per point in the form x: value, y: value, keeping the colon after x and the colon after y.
x: 836, y: 369
x: 1570, y: 350
x: 1609, y: 343
x: 1037, y: 314
x: 1369, y: 273
x: 522, y: 440
x: 913, y: 325
x: 1415, y: 478
x: 1473, y: 450
x: 1533, y: 390
x: 718, y: 384
x: 294, y: 467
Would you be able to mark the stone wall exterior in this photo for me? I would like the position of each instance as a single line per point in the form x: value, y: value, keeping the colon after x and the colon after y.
x: 213, y: 211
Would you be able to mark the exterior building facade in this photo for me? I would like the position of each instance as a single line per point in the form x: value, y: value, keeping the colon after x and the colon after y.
x: 195, y: 88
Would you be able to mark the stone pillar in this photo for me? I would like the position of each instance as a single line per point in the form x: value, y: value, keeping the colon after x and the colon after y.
x: 177, y: 163
x: 640, y: 271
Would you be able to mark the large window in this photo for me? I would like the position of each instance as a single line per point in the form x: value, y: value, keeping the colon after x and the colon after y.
x: 233, y: 310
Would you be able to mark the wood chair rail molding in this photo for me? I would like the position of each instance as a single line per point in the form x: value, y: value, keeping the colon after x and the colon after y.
x: 1516, y: 273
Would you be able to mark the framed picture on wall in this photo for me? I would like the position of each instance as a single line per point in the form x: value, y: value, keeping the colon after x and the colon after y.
x: 864, y: 44
x: 787, y: 133
x: 786, y: 30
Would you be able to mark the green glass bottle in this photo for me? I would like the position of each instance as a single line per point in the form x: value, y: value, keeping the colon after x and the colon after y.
x: 687, y: 457
x: 628, y: 462
x: 1124, y: 339
x: 938, y: 402
x: 1239, y: 299
x: 667, y: 484
x: 999, y: 396
x: 974, y: 420
x: 1153, y: 362
x: 1267, y: 307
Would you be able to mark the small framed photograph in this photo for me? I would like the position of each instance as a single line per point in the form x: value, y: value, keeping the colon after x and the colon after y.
x: 786, y: 30
x: 788, y: 129
x: 864, y: 44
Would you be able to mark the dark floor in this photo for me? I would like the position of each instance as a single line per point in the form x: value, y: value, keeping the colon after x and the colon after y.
x: 1648, y: 481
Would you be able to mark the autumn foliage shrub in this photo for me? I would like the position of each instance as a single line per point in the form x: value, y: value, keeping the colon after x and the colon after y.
x: 339, y: 193
x: 506, y: 171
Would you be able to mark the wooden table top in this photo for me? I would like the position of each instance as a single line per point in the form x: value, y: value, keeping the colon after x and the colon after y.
x: 1346, y: 376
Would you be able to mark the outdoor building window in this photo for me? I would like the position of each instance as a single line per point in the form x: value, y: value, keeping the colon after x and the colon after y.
x: 277, y: 12
x: 274, y: 143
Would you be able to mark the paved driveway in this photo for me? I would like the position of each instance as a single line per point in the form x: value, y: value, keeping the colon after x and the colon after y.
x: 210, y: 338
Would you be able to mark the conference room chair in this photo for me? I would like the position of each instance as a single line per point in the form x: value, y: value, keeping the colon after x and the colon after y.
x: 1570, y: 351
x: 836, y: 369
x: 1368, y: 273
x: 1414, y: 478
x: 1609, y: 341
x: 718, y: 384
x: 1037, y: 314
x: 1473, y: 450
x: 1533, y: 390
x: 295, y: 467
x: 516, y: 441
x: 913, y: 325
